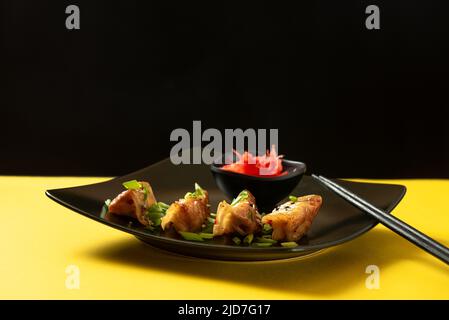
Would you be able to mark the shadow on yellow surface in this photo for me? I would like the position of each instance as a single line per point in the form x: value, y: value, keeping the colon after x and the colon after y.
x: 333, y: 270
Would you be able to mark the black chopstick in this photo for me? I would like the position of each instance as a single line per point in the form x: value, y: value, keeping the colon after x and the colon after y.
x: 400, y: 227
x: 388, y: 216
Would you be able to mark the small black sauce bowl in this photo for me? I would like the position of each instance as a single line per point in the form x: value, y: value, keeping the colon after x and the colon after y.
x: 268, y: 191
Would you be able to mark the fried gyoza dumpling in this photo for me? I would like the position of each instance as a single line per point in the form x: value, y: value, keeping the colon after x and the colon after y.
x: 188, y: 214
x: 134, y: 202
x: 240, y: 216
x: 291, y: 220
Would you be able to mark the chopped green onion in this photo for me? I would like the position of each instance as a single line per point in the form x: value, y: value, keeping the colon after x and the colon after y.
x: 213, y: 214
x: 191, y: 236
x: 262, y: 244
x: 267, y: 229
x: 159, y: 207
x: 211, y: 220
x: 265, y: 240
x: 199, y: 192
x: 241, y: 197
x: 155, y: 217
x: 163, y: 205
x: 237, y: 240
x: 289, y: 244
x: 146, y: 193
x: 105, y: 208
x: 248, y: 239
x: 198, y: 189
x: 132, y: 185
x: 156, y: 212
x: 208, y: 225
x: 206, y: 235
x: 208, y: 228
x: 293, y: 199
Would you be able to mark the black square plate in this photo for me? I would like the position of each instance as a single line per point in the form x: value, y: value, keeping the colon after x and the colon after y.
x: 337, y: 221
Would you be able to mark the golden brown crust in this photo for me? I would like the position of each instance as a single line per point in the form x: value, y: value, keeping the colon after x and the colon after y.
x: 293, y: 219
x: 242, y: 218
x: 132, y: 203
x: 187, y: 214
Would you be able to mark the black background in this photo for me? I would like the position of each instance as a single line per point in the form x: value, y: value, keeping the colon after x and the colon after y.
x: 102, y: 100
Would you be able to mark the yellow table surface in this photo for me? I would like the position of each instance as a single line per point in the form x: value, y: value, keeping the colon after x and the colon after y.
x: 40, y: 238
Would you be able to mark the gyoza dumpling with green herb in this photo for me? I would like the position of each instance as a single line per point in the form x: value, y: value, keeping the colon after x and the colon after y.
x: 134, y: 202
x: 188, y: 214
x: 291, y: 220
x: 241, y: 216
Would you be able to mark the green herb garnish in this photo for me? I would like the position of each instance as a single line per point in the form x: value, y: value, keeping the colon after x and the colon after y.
x: 132, y: 185
x: 289, y: 244
x: 208, y: 228
x: 163, y: 206
x: 293, y: 199
x: 155, y: 218
x: 156, y: 212
x: 211, y: 220
x: 206, y: 235
x: 105, y: 208
x: 267, y: 229
x: 237, y: 240
x: 191, y: 236
x: 199, y: 192
x: 262, y: 244
x: 145, y: 194
x: 248, y: 239
x: 241, y: 197
x: 265, y: 240
x: 209, y: 224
